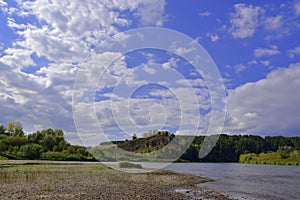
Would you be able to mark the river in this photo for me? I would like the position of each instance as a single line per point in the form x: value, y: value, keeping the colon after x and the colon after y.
x: 245, y: 181
x: 242, y: 181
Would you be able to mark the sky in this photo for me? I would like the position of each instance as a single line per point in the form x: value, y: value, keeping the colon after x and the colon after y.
x: 97, y: 71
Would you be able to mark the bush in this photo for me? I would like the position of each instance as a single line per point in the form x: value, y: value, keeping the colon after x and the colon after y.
x: 3, y: 158
x: 126, y: 164
x: 53, y: 156
x: 31, y: 151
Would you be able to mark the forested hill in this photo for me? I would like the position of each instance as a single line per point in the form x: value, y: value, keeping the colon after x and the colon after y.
x: 229, y: 148
x: 50, y: 144
x: 46, y: 144
x: 147, y: 144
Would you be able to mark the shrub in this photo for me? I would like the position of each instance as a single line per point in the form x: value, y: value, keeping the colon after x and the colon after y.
x: 126, y: 164
x: 3, y: 158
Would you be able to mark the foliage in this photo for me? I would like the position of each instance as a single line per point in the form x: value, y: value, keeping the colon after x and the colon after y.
x: 273, y: 158
x: 148, y: 144
x: 3, y: 158
x: 229, y: 148
x: 134, y: 137
x: 126, y: 164
x: 47, y: 144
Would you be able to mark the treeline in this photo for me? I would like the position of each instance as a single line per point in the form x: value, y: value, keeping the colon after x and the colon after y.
x: 230, y: 148
x: 46, y: 144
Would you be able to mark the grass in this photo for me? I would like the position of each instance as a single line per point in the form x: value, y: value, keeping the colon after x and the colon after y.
x: 47, y: 188
x: 126, y: 164
x: 3, y: 158
x: 272, y: 158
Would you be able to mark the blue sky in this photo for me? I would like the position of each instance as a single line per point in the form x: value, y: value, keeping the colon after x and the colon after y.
x: 48, y: 48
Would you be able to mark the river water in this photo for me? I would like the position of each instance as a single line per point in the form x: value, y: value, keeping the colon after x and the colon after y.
x: 244, y: 181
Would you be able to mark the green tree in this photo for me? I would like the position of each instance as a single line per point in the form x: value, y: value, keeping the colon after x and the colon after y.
x: 2, y: 130
x: 4, y: 144
x: 15, y: 129
x: 31, y: 151
x: 17, y: 140
x: 134, y: 136
x: 49, y: 142
x: 285, y: 151
x: 71, y: 150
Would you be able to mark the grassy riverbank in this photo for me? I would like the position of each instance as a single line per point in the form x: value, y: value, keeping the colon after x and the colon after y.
x: 52, y: 180
x: 280, y: 157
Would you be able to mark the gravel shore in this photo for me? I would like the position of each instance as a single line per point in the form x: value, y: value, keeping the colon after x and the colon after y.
x: 51, y: 180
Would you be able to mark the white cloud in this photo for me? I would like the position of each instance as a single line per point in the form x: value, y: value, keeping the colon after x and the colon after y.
x: 297, y: 8
x: 293, y: 52
x: 205, y: 14
x: 269, y: 106
x: 182, y: 50
x: 213, y: 37
x: 17, y: 58
x: 172, y: 63
x: 265, y: 62
x: 149, y: 70
x: 2, y: 3
x: 63, y: 36
x: 192, y: 83
x: 239, y: 68
x: 152, y: 12
x: 261, y: 52
x: 273, y: 23
x: 244, y: 20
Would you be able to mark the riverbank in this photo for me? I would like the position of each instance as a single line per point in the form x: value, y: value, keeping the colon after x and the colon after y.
x: 56, y: 180
x: 272, y: 158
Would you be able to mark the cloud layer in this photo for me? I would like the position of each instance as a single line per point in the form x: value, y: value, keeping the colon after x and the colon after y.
x: 269, y: 106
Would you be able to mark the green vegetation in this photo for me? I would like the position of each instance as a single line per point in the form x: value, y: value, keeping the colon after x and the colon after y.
x: 147, y: 144
x: 237, y: 148
x: 227, y: 149
x: 50, y: 144
x: 46, y: 144
x: 281, y: 157
x: 126, y: 164
x: 142, y: 149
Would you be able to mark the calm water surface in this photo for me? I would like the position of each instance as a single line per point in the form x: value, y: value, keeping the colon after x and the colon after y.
x: 245, y: 181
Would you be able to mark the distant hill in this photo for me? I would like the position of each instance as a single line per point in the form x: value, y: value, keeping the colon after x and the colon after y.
x: 147, y: 144
x: 229, y: 148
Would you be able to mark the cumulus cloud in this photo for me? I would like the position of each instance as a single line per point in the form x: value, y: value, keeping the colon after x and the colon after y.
x: 205, y: 14
x: 152, y: 12
x: 293, y: 52
x: 269, y: 106
x: 273, y: 23
x: 62, y: 34
x: 149, y: 70
x: 244, y: 20
x: 297, y: 8
x: 261, y: 52
x: 2, y: 3
x: 239, y: 68
x: 213, y: 37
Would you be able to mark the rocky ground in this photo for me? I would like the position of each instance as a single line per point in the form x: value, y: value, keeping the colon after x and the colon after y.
x: 95, y: 181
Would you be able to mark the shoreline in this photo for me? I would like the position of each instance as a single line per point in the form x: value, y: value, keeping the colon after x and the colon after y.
x: 65, y: 180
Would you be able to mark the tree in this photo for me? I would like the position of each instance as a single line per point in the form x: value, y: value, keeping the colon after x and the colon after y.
x: 49, y: 142
x: 15, y: 129
x: 31, y: 151
x: 134, y: 136
x: 4, y: 144
x: 71, y: 150
x: 2, y: 130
